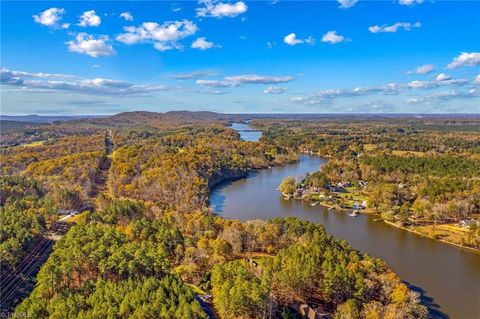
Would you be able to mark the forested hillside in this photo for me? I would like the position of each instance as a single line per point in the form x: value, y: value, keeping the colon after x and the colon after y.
x: 148, y: 245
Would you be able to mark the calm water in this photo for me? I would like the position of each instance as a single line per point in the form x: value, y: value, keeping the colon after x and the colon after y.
x: 449, y: 277
x: 246, y: 132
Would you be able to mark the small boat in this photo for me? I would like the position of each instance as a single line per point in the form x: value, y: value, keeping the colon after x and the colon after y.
x: 354, y: 213
x: 330, y: 208
x: 314, y: 203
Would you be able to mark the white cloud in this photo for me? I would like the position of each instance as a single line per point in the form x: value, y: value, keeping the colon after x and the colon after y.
x: 407, y: 26
x: 422, y: 85
x: 237, y: 80
x: 423, y: 69
x: 443, y: 77
x: 96, y: 86
x: 220, y: 10
x: 15, y: 77
x: 194, y: 75
x: 165, y: 46
x: 215, y: 83
x: 291, y: 39
x: 202, y: 44
x: 345, y: 4
x: 51, y: 18
x: 446, y: 95
x: 386, y: 89
x: 163, y: 36
x: 90, y: 45
x: 333, y: 38
x: 477, y: 79
x: 410, y: 2
x: 258, y: 79
x: 216, y: 92
x: 465, y: 59
x: 432, y: 85
x: 127, y: 16
x: 275, y: 90
x: 89, y: 19
x: 310, y: 40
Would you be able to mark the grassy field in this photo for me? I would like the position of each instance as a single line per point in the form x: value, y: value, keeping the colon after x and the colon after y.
x: 371, y: 147
x: 408, y: 153
x: 33, y: 144
x: 448, y: 232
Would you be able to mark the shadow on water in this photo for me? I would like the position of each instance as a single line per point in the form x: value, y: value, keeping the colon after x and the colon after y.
x: 433, y: 308
x: 218, y: 201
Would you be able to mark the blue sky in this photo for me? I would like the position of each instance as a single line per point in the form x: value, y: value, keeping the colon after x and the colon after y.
x: 346, y: 56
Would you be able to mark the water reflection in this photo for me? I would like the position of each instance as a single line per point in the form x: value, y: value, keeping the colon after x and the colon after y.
x: 448, y: 276
x: 247, y: 133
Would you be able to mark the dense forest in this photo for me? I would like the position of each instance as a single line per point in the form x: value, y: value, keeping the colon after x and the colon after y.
x: 144, y: 243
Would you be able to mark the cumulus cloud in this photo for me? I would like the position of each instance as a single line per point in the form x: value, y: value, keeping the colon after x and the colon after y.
x: 423, y: 69
x: 275, y: 90
x: 333, y: 38
x: 163, y: 36
x: 291, y: 39
x: 127, y: 16
x: 220, y: 10
x: 89, y: 19
x: 465, y: 59
x: 407, y: 26
x: 443, y: 77
x: 345, y: 4
x: 90, y: 45
x: 202, y: 44
x: 51, y: 18
x: 410, y: 2
x: 97, y: 86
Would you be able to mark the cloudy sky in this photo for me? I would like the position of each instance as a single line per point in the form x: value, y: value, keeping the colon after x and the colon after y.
x: 345, y: 56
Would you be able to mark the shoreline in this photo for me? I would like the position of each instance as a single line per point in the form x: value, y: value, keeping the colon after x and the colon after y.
x: 477, y: 251
x: 343, y: 210
x: 337, y: 208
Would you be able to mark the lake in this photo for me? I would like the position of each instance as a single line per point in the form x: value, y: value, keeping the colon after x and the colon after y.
x: 447, y: 276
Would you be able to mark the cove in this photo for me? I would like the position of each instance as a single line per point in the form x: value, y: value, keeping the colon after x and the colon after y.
x: 448, y: 277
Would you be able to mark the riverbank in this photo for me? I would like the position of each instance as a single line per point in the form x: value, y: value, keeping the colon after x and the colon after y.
x: 423, y: 234
x: 445, y: 233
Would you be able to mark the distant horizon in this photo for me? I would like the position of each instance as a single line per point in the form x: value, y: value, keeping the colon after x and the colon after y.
x: 235, y: 113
